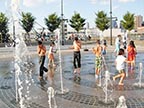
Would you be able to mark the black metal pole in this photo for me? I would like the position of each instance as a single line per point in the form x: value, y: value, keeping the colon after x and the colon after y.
x: 14, y: 35
x: 62, y: 23
x: 13, y: 30
x: 110, y: 22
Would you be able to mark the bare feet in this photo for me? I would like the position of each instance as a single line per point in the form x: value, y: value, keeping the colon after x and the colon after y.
x: 75, y: 71
x: 113, y: 78
x: 54, y: 65
x: 40, y: 77
x: 121, y: 84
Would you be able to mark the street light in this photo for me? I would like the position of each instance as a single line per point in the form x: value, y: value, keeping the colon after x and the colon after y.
x: 110, y: 22
x: 13, y: 30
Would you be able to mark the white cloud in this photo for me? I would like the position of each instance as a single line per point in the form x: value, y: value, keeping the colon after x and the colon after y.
x: 93, y: 1
x: 31, y: 3
x: 125, y: 1
x: 103, y: 2
x: 116, y: 7
x: 50, y: 1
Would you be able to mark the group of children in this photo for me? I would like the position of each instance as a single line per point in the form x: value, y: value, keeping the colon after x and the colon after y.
x: 99, y: 51
x: 119, y: 61
x: 41, y: 50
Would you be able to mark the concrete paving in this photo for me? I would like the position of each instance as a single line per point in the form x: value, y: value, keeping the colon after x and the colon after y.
x: 68, y: 93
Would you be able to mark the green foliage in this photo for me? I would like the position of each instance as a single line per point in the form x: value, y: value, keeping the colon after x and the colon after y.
x: 27, y: 21
x: 77, y: 22
x: 52, y: 22
x: 102, y: 21
x: 128, y: 21
x: 3, y: 26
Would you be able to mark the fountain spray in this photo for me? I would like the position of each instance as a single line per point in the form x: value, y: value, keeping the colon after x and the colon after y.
x: 21, y: 58
x: 60, y: 65
x: 139, y: 83
x: 51, y: 95
x: 122, y: 102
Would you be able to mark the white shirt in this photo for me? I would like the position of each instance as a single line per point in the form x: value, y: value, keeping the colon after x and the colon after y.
x: 51, y: 50
x: 120, y: 60
x: 117, y: 41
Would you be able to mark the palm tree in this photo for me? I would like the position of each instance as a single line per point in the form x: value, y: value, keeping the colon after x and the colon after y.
x: 52, y: 22
x: 102, y: 21
x: 128, y: 21
x: 77, y: 22
x: 3, y: 27
x: 27, y: 23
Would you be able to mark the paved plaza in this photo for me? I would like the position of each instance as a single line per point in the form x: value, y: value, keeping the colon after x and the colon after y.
x: 83, y: 94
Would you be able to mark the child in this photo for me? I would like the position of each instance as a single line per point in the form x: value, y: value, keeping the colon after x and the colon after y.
x: 104, y: 47
x: 77, y: 55
x: 98, y: 62
x: 117, y: 44
x: 50, y: 54
x: 120, y: 60
x: 41, y: 50
x: 131, y: 54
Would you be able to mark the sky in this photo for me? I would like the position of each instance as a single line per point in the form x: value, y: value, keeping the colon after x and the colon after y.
x: 40, y: 9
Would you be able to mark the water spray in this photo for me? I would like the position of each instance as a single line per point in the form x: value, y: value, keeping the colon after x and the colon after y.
x: 51, y: 95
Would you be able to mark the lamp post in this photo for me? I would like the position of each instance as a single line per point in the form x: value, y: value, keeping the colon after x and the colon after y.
x: 14, y: 34
x: 13, y: 30
x: 110, y: 22
x: 62, y: 23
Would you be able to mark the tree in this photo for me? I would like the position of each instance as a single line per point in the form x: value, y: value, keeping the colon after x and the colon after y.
x: 52, y: 22
x: 128, y: 21
x: 3, y: 27
x: 102, y: 21
x: 77, y: 22
x: 27, y: 23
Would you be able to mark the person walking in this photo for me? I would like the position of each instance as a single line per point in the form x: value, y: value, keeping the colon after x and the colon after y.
x: 41, y: 50
x: 98, y: 58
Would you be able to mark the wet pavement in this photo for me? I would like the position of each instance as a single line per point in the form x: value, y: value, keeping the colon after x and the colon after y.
x: 83, y: 94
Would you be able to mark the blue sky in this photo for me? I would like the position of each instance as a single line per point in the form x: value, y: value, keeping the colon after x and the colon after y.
x: 87, y: 8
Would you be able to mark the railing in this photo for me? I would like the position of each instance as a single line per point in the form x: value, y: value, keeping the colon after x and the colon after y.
x: 137, y: 36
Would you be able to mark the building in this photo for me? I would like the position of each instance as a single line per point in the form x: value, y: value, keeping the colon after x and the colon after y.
x: 138, y: 20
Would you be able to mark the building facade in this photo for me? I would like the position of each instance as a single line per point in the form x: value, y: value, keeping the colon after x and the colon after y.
x: 138, y: 20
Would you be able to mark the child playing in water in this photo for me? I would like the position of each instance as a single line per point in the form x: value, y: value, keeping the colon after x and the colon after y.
x: 98, y: 62
x: 41, y: 50
x: 117, y: 44
x: 131, y: 54
x: 50, y: 54
x: 120, y: 60
x: 104, y: 46
x: 77, y: 55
